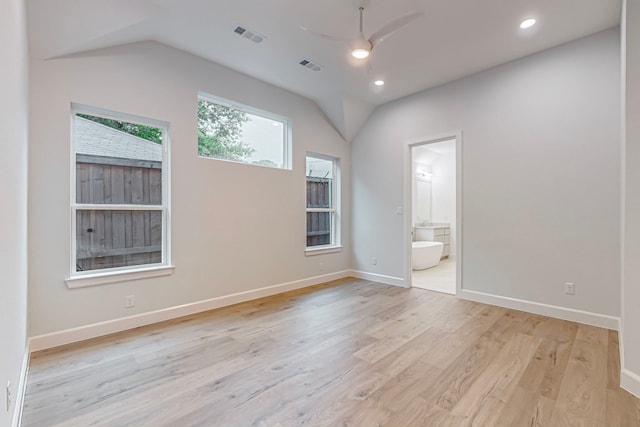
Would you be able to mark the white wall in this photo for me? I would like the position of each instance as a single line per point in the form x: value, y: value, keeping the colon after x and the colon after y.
x: 444, y: 188
x: 631, y: 232
x: 541, y: 166
x: 13, y: 193
x: 235, y: 227
x: 422, y: 193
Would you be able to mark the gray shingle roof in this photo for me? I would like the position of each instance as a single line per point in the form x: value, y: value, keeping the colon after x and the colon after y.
x: 99, y: 140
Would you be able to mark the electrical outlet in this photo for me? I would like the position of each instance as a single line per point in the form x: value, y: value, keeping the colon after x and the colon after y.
x: 129, y: 301
x: 321, y: 266
x: 570, y: 288
x: 374, y: 260
x: 9, y: 397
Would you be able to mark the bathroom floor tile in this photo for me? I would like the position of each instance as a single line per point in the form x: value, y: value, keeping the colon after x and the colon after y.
x: 441, y: 278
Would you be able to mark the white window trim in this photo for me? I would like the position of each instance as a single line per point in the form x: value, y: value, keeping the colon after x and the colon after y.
x: 336, y: 242
x: 79, y: 279
x: 322, y: 250
x: 123, y: 274
x: 286, y: 122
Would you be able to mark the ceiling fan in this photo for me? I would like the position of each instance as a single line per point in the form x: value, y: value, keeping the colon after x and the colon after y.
x: 362, y: 46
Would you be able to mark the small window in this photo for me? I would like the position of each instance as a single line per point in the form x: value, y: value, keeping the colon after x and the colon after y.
x: 242, y: 134
x: 119, y: 192
x: 322, y: 202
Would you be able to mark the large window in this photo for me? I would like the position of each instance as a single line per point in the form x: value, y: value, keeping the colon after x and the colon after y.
x: 322, y: 202
x: 238, y: 133
x: 119, y: 209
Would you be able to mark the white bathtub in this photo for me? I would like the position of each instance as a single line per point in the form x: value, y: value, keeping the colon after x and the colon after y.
x: 425, y: 254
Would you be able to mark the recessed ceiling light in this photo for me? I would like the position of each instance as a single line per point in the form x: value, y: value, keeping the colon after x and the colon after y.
x: 379, y: 83
x: 527, y: 23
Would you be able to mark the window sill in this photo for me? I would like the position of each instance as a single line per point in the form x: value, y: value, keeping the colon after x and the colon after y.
x: 103, y: 278
x: 322, y: 250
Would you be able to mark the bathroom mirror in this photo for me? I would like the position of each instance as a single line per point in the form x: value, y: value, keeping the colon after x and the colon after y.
x: 423, y: 201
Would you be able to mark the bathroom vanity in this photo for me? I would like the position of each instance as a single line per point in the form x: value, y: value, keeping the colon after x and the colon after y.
x: 433, y: 232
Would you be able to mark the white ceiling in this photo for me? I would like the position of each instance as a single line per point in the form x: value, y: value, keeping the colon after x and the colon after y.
x: 454, y: 38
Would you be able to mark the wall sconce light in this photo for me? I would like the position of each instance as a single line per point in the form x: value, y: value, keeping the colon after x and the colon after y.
x: 424, y: 175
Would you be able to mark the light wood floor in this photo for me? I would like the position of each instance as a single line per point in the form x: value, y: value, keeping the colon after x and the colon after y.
x: 351, y: 353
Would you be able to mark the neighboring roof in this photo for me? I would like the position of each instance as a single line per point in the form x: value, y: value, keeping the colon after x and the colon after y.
x: 99, y: 140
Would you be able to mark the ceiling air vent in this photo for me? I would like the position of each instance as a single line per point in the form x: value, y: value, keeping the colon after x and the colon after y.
x: 310, y: 65
x: 248, y: 34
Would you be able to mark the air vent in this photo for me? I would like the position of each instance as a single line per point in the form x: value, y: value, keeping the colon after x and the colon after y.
x: 310, y: 65
x: 248, y: 34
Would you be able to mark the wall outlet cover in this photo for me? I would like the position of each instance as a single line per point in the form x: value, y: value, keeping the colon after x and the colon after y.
x: 129, y: 301
x: 570, y: 288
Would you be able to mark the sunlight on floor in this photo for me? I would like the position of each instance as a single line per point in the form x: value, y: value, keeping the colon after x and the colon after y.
x: 441, y: 278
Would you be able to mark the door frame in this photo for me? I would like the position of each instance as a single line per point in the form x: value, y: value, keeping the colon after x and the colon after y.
x: 408, y: 201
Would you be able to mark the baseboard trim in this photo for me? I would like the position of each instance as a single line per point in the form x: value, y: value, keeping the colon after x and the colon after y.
x: 630, y: 382
x: 22, y: 388
x: 380, y: 278
x: 68, y: 336
x: 573, y: 315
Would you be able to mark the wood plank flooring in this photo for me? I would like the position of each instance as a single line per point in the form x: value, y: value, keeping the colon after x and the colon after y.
x: 348, y: 353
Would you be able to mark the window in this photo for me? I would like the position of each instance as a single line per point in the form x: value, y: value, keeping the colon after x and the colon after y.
x: 322, y: 202
x: 119, y: 209
x: 242, y: 134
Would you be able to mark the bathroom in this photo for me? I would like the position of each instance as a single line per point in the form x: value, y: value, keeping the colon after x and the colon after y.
x: 433, y: 253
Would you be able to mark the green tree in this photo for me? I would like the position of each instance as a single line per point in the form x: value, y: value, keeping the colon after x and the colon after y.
x: 145, y: 132
x: 219, y: 132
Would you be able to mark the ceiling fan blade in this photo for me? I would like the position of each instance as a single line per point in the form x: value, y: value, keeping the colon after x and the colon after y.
x: 392, y: 27
x: 325, y: 36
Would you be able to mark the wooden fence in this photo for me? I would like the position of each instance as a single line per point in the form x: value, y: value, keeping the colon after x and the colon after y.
x: 318, y: 223
x: 117, y: 238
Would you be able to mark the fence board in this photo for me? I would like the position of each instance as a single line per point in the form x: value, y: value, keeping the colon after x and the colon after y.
x: 137, y: 187
x: 108, y: 230
x: 138, y: 228
x: 156, y: 227
x: 118, y: 238
x: 98, y: 235
x: 106, y: 190
x: 82, y: 182
x: 147, y: 228
x: 155, y: 186
x: 145, y: 187
x: 127, y: 185
x: 318, y: 223
x: 117, y: 185
x: 128, y: 229
x: 119, y: 231
x: 96, y: 189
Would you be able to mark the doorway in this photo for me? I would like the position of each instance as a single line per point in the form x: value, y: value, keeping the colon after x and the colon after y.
x: 433, y: 182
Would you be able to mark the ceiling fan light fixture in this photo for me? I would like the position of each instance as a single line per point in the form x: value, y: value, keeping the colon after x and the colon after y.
x: 360, y: 52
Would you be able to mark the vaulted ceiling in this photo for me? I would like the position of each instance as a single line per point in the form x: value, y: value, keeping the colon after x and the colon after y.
x: 450, y: 40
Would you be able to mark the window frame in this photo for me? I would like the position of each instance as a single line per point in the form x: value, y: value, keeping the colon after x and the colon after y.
x: 286, y: 123
x: 77, y: 279
x: 336, y: 244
